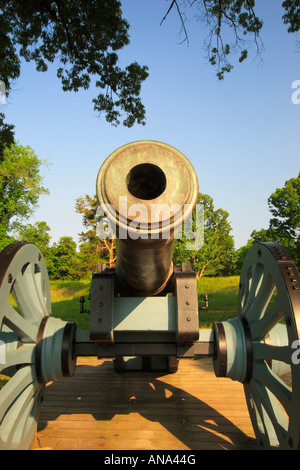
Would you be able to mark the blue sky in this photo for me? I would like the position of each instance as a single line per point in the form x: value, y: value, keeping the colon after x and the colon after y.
x: 241, y: 134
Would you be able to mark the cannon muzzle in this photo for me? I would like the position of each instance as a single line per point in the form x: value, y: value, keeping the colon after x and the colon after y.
x: 147, y: 190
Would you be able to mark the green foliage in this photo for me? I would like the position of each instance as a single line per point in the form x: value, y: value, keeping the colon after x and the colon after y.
x: 87, y: 260
x: 62, y: 258
x: 284, y: 226
x: 94, y: 249
x: 83, y: 35
x: 284, y: 205
x: 37, y: 234
x: 217, y: 256
x: 240, y: 255
x: 20, y: 188
x: 292, y: 15
x: 6, y: 135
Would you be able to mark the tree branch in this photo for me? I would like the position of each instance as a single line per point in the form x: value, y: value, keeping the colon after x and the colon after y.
x: 174, y: 2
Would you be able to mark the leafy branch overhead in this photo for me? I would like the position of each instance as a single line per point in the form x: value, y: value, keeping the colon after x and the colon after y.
x: 235, y: 19
x: 84, y: 36
x: 232, y: 25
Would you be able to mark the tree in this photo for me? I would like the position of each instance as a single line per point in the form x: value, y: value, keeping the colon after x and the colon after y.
x: 62, y: 259
x: 37, y: 234
x: 20, y: 188
x: 292, y: 15
x: 235, y: 19
x: 93, y: 249
x: 284, y: 205
x: 6, y: 135
x: 83, y: 35
x: 284, y: 226
x: 241, y: 254
x: 216, y: 256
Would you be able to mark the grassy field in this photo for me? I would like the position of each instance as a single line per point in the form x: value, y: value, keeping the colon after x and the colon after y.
x: 223, y: 299
x: 65, y: 297
x: 222, y: 293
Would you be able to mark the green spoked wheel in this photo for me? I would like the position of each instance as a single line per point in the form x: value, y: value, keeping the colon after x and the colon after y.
x: 261, y: 348
x: 34, y: 347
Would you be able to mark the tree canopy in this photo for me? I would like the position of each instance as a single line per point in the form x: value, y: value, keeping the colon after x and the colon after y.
x: 93, y: 248
x: 232, y: 26
x: 284, y: 226
x: 84, y: 36
x: 216, y: 257
x: 20, y: 187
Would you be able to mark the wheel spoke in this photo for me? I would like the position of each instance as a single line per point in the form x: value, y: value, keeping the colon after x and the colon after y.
x: 262, y: 351
x: 263, y: 374
x: 262, y: 326
x: 256, y: 348
x: 25, y: 330
x: 256, y: 279
x: 18, y: 419
x: 22, y: 355
x: 260, y: 298
x: 35, y: 281
x: 24, y: 302
x: 25, y: 295
x: 14, y: 387
x: 269, y: 421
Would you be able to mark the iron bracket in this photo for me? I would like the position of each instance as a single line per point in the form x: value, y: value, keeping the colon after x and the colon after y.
x: 187, y: 307
x: 101, y: 307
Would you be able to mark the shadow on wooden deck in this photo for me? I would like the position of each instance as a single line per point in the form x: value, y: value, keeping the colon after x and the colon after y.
x: 101, y: 409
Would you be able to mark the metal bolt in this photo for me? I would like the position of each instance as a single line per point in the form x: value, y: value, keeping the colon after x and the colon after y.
x: 10, y: 278
x: 188, y: 302
x: 187, y: 286
x: 188, y: 318
x: 40, y: 256
x: 99, y: 320
x: 101, y: 304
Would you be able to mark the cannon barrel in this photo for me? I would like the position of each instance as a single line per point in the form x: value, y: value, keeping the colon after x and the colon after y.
x: 147, y: 189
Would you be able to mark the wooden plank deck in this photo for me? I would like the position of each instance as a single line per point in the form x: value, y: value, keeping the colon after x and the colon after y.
x: 101, y: 409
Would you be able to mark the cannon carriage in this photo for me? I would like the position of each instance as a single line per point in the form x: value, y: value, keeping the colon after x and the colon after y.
x: 144, y: 313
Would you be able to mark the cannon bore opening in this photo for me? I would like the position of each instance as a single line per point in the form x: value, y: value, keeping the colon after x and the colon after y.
x: 146, y: 181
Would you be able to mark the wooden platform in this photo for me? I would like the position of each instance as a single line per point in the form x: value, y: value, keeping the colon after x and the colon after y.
x: 101, y: 409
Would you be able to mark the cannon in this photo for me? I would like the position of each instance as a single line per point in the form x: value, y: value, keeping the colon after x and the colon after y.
x: 144, y: 312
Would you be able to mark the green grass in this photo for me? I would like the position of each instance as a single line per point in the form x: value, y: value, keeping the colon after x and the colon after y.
x: 222, y: 293
x: 3, y: 380
x: 223, y: 297
x: 65, y: 297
